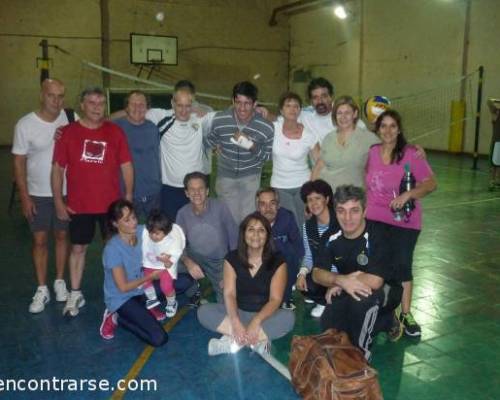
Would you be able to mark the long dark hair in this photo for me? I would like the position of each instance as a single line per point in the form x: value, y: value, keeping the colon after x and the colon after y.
x: 267, y: 252
x: 115, y: 212
x: 399, y: 150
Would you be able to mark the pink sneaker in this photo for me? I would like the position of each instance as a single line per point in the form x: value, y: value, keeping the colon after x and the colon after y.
x: 158, y: 314
x: 108, y: 325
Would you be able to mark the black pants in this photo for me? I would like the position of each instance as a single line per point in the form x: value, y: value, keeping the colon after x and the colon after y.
x: 315, y: 292
x: 356, y: 318
x: 134, y: 316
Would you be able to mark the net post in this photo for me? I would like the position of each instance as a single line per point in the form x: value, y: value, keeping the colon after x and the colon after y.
x: 478, y: 117
x: 44, y: 70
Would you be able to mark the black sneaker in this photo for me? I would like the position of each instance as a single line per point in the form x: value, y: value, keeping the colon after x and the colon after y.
x: 195, y: 299
x: 410, y: 325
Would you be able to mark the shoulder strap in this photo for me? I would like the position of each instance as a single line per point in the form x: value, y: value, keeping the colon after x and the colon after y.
x: 165, y: 124
x: 70, y: 114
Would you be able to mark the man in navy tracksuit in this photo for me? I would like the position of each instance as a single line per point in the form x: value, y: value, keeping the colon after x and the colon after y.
x: 286, y: 236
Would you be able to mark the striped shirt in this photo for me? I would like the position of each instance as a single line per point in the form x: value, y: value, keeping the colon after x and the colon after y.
x: 308, y: 258
x: 234, y: 161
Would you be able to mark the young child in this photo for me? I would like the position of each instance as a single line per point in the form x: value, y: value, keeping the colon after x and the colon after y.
x: 162, y: 245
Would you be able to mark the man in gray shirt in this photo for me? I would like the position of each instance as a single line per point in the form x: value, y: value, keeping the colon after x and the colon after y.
x: 210, y: 232
x: 243, y: 140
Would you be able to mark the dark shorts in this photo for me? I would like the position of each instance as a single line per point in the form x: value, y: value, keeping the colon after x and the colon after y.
x: 402, y: 245
x: 82, y: 227
x: 45, y: 218
x: 144, y: 205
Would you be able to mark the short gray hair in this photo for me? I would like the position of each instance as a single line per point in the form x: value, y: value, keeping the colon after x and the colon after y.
x: 91, y: 90
x: 345, y: 193
x: 267, y: 189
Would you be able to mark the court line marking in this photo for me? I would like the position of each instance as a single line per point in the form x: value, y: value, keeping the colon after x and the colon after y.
x: 146, y: 355
x: 277, y: 365
x: 148, y: 351
x: 463, y: 203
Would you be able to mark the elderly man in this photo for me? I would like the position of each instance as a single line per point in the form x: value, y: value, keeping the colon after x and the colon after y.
x: 32, y: 149
x: 210, y: 231
x: 286, y: 235
x: 243, y: 139
x: 354, y: 266
x: 144, y: 143
x: 181, y: 147
x: 91, y: 153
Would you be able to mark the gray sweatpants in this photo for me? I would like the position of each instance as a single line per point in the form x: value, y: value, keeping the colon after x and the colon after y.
x: 277, y: 325
x: 291, y: 200
x: 211, y: 268
x: 238, y: 194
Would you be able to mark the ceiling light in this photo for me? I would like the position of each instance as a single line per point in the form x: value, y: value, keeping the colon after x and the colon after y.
x: 340, y: 12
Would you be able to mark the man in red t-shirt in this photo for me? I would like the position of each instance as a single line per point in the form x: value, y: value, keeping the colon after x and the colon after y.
x: 91, y: 152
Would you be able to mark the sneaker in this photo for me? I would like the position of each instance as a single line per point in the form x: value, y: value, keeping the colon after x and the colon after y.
x: 108, y: 325
x: 41, y: 297
x: 158, y: 314
x: 60, y: 290
x: 410, y: 325
x: 224, y: 345
x: 288, y: 305
x: 263, y: 347
x: 195, y: 300
x: 396, y: 330
x: 74, y: 303
x: 152, y: 303
x: 317, y: 311
x: 308, y: 300
x: 171, y: 309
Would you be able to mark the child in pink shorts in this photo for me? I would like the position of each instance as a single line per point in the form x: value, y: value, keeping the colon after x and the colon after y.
x: 163, y: 243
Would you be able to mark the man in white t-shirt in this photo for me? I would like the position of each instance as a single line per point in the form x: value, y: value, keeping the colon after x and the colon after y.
x: 32, y: 149
x: 181, y: 148
x: 318, y: 119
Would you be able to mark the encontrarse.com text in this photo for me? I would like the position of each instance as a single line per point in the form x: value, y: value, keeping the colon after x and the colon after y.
x: 75, y: 385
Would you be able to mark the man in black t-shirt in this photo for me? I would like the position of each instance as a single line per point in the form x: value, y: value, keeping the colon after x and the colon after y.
x: 358, y: 252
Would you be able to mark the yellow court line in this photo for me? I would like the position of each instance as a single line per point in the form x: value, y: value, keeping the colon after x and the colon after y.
x: 148, y: 351
x: 146, y: 354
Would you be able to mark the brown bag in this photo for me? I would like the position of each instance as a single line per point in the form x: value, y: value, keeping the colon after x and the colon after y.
x: 329, y: 367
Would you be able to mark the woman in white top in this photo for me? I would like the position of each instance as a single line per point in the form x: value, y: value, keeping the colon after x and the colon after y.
x: 293, y: 144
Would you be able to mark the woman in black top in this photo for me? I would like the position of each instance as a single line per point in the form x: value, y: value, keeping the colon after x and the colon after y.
x: 255, y: 277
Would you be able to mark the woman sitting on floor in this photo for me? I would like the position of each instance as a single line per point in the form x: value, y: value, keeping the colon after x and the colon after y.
x: 123, y: 279
x: 254, y: 283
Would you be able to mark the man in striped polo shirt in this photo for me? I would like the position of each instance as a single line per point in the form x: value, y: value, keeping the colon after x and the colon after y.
x: 243, y: 140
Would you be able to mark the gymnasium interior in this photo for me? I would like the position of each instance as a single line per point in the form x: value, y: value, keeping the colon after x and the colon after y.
x: 436, y: 60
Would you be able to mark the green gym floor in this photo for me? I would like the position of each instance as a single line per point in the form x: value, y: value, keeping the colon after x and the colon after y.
x: 456, y: 300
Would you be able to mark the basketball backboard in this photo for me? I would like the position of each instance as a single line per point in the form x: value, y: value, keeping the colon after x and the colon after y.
x: 153, y: 49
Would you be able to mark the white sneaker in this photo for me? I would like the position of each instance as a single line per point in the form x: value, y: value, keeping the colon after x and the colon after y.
x: 224, y: 345
x: 60, y: 290
x: 308, y: 300
x: 263, y: 347
x: 317, y: 311
x: 171, y: 309
x: 75, y: 301
x: 41, y: 297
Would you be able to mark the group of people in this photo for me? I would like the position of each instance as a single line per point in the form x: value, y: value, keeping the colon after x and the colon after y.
x: 313, y: 229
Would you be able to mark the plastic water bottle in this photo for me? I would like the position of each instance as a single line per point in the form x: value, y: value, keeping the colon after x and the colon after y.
x: 407, y: 184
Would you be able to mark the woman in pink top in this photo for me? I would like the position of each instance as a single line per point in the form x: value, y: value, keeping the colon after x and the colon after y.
x: 384, y: 170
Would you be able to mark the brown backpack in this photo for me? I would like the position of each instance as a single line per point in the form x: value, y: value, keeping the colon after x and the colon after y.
x: 328, y: 367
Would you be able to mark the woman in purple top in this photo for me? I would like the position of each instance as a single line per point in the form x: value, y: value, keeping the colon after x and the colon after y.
x: 384, y: 170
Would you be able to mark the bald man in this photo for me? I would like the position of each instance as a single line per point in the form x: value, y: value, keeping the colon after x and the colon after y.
x: 181, y: 147
x: 32, y: 149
